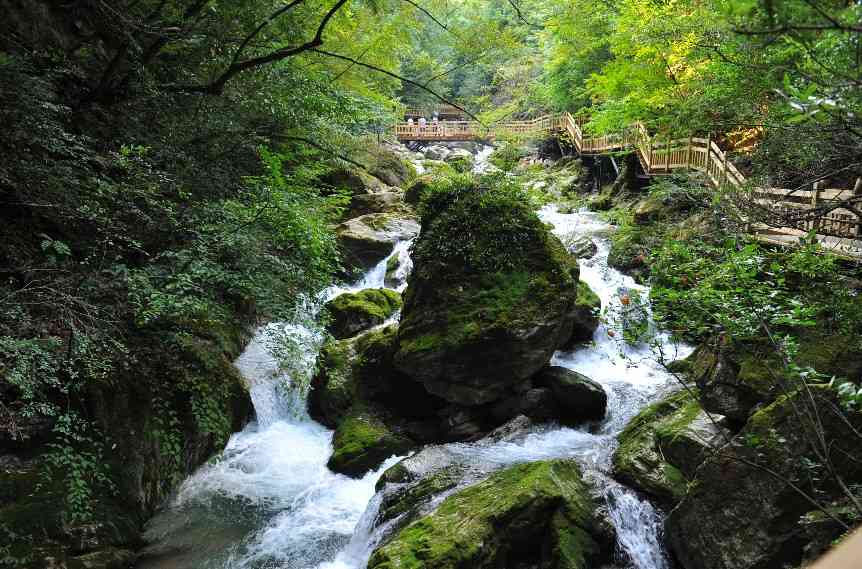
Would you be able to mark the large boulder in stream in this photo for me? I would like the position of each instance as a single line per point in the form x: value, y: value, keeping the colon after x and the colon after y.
x: 376, y: 411
x: 353, y: 312
x: 578, y: 397
x: 491, y: 296
x: 751, y: 507
x: 662, y: 446
x: 368, y: 239
x: 541, y: 513
x: 461, y: 160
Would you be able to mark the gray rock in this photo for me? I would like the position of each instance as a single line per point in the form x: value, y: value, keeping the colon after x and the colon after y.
x: 581, y: 247
x: 382, y: 202
x: 368, y: 239
x: 578, y: 397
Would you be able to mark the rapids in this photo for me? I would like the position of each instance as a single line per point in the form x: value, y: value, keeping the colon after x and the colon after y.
x: 269, y: 500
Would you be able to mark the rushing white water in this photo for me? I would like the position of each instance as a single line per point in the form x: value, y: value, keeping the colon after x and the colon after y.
x: 270, y: 501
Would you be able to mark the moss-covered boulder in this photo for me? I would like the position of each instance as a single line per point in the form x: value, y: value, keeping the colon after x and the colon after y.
x: 387, y: 163
x: 751, y: 501
x: 353, y: 312
x: 357, y: 392
x: 368, y: 239
x: 383, y: 202
x: 461, y: 160
x: 735, y: 378
x: 490, y: 298
x: 578, y: 397
x: 413, y: 194
x: 362, y: 441
x: 586, y: 316
x: 540, y: 513
x: 662, y: 446
x: 353, y: 181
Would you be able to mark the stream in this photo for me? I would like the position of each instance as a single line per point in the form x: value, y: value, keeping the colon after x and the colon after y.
x: 269, y: 501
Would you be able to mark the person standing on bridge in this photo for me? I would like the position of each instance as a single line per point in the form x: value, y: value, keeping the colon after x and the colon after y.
x: 422, y: 124
x: 436, y: 125
x: 410, y: 125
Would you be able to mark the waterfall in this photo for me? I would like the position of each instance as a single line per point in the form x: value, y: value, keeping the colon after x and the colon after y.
x: 270, y: 501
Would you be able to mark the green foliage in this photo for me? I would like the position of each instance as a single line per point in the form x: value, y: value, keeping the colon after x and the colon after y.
x: 77, y: 458
x: 507, y: 156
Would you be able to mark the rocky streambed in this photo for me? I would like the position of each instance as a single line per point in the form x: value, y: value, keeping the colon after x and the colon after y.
x: 487, y: 417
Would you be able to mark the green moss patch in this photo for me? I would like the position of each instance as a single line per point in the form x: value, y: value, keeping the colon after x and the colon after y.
x: 540, y: 511
x: 353, y: 312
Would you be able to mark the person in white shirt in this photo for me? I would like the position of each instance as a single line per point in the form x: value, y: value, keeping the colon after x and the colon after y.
x: 422, y: 124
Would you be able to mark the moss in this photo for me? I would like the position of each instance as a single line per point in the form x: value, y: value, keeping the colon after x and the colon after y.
x: 362, y: 441
x: 334, y: 387
x: 586, y: 297
x: 409, y: 499
x: 638, y: 460
x: 462, y: 164
x: 353, y: 312
x: 535, y: 511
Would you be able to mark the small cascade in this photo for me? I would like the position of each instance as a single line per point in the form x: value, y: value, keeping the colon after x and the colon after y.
x: 269, y: 500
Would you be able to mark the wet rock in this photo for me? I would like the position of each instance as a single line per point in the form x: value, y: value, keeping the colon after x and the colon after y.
x: 586, y: 316
x: 436, y: 152
x: 409, y: 500
x: 417, y: 466
x: 537, y: 404
x: 388, y: 165
x: 640, y: 460
x: 578, y: 397
x: 353, y: 312
x: 722, y: 390
x: 742, y: 516
x: 482, y: 317
x: 383, y: 202
x: 368, y: 239
x: 356, y: 182
x: 510, y: 431
x: 648, y: 210
x: 362, y: 441
x: 462, y: 423
x: 417, y: 189
x: 539, y: 512
x: 375, y: 411
x: 582, y: 247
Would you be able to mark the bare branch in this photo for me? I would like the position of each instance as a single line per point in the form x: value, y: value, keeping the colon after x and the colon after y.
x: 424, y: 87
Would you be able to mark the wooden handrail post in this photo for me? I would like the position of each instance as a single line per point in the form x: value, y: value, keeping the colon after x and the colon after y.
x: 667, y: 156
x: 688, y: 154
x: 815, y: 194
x: 726, y: 171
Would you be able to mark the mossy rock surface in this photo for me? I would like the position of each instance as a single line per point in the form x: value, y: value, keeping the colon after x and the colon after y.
x: 362, y: 441
x: 460, y: 160
x: 742, y: 516
x: 491, y: 296
x: 414, y: 193
x: 376, y: 412
x: 586, y: 315
x: 353, y: 312
x: 662, y: 446
x: 539, y: 512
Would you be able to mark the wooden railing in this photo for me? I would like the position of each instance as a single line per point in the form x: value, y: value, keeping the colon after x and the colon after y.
x: 838, y: 229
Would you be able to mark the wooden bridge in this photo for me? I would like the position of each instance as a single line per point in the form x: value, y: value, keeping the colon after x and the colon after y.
x: 837, y: 229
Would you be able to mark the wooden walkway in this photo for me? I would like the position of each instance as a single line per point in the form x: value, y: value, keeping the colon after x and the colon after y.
x: 837, y: 229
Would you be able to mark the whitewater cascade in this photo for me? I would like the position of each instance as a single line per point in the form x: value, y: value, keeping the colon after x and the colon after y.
x: 270, y: 502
